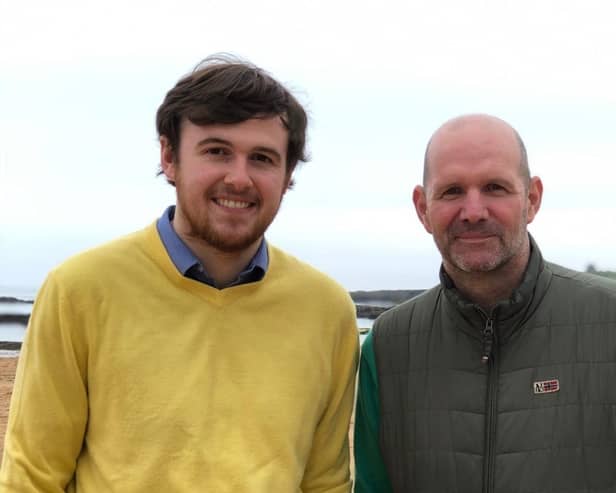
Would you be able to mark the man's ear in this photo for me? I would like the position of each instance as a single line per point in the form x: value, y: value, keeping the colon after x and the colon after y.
x: 421, y: 207
x: 535, y: 193
x: 290, y: 183
x: 167, y: 159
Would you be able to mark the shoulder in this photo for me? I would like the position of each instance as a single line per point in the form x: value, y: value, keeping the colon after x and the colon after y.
x: 568, y: 282
x: 400, y: 318
x: 578, y: 297
x: 304, y: 291
x: 288, y: 268
x: 120, y: 257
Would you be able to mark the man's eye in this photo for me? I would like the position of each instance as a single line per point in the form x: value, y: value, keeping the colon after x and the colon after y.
x: 262, y: 157
x: 495, y: 188
x: 217, y: 151
x: 452, y: 192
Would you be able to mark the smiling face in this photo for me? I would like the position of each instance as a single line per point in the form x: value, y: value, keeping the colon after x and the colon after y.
x: 476, y: 202
x: 229, y: 180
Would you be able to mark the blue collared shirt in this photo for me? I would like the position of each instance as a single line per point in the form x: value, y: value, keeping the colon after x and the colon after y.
x: 189, y: 265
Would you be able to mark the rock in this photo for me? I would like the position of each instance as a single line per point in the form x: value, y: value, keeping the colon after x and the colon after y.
x: 10, y: 346
x: 20, y: 318
x: 368, y: 311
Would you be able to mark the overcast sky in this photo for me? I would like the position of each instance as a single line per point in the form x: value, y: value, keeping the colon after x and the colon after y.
x: 80, y: 83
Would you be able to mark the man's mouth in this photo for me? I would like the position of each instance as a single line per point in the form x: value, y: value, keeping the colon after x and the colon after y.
x: 474, y: 236
x: 479, y: 232
x: 233, y: 204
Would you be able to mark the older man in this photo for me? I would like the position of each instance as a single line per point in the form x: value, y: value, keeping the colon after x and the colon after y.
x: 193, y: 355
x: 501, y: 378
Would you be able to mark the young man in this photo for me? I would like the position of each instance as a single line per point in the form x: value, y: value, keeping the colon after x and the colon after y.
x: 500, y: 379
x: 193, y: 355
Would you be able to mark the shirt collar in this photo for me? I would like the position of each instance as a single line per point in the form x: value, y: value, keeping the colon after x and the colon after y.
x: 189, y: 265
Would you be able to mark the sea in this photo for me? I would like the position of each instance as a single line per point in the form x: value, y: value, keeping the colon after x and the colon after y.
x: 14, y: 331
x: 20, y: 292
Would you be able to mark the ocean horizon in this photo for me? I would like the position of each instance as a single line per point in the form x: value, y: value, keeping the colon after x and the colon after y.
x: 26, y: 293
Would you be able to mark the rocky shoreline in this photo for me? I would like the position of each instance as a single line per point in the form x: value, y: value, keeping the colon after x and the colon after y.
x: 384, y: 297
x: 370, y: 304
x: 10, y: 345
x: 16, y: 318
x: 369, y: 311
x: 11, y: 299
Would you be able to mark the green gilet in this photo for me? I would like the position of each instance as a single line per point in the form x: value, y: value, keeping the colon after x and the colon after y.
x: 520, y: 400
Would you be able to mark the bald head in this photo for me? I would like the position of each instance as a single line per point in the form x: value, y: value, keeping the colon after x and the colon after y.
x: 477, y: 127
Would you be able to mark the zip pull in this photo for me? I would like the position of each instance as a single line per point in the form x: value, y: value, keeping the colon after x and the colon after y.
x: 488, y: 340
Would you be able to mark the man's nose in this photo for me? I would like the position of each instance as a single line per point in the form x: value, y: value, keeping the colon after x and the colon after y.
x: 238, y: 174
x: 474, y: 208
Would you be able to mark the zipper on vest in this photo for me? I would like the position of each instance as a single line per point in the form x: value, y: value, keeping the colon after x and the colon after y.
x: 488, y: 340
x: 490, y: 358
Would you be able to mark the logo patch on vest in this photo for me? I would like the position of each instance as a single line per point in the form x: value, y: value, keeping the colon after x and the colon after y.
x: 546, y: 386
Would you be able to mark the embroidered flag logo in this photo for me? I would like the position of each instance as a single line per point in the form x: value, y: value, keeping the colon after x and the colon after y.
x: 546, y: 386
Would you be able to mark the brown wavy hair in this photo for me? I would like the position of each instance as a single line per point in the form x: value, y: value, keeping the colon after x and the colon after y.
x: 225, y: 89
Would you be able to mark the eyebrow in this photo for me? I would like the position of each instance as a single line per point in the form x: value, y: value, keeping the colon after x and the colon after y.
x: 439, y: 187
x: 218, y: 140
x: 213, y: 140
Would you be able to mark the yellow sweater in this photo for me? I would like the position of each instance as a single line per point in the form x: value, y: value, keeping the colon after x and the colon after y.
x: 133, y: 378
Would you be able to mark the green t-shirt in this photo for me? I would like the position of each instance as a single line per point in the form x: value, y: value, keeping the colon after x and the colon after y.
x: 370, y: 473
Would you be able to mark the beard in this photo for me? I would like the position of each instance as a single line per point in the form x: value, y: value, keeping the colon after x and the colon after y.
x: 224, y: 242
x: 227, y: 237
x: 500, y: 249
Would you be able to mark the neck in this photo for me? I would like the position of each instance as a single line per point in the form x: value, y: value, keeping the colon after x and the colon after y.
x: 487, y: 289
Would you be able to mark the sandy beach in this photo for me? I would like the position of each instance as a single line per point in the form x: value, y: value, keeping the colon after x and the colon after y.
x: 7, y: 375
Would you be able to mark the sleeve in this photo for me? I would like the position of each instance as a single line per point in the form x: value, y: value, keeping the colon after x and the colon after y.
x: 49, y: 408
x: 370, y: 473
x: 328, y: 467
